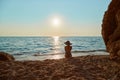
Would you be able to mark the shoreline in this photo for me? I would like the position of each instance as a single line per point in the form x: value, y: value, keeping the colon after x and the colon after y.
x: 92, y: 67
x: 56, y: 56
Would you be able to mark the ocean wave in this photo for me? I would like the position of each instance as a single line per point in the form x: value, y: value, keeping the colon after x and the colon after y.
x: 37, y: 54
x: 73, y: 52
x: 16, y: 54
x: 100, y: 50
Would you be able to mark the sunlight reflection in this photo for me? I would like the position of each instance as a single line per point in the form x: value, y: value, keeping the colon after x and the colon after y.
x: 56, y: 44
x: 57, y: 57
x: 56, y: 40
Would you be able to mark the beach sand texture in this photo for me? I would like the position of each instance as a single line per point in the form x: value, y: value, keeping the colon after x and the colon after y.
x: 96, y: 67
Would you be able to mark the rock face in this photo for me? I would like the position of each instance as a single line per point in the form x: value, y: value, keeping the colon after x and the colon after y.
x: 6, y: 57
x: 111, y: 28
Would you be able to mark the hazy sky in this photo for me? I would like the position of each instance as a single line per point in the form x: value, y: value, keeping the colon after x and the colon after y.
x: 51, y: 17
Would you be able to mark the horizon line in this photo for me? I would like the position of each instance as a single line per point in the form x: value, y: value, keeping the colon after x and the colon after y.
x: 50, y: 36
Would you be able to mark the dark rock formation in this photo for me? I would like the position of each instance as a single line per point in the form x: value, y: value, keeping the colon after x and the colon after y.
x: 111, y: 28
x: 6, y: 57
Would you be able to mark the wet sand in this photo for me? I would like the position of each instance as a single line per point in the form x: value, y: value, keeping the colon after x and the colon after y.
x: 94, y: 67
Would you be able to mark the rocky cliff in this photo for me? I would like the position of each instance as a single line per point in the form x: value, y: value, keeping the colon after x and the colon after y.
x: 111, y: 28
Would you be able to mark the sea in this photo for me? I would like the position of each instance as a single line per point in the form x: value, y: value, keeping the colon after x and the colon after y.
x: 52, y: 47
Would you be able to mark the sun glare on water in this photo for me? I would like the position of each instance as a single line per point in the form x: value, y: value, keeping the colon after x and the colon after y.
x: 56, y: 45
x: 56, y: 40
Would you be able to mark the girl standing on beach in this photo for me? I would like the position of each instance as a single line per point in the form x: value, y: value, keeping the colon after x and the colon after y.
x: 68, y: 49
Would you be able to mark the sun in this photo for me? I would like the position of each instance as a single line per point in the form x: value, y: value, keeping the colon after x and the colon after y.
x: 56, y: 21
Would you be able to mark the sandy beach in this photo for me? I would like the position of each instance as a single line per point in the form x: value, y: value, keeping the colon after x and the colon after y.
x: 94, y: 67
x: 60, y: 40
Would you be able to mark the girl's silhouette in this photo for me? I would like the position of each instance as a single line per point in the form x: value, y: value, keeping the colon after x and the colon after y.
x: 68, y: 49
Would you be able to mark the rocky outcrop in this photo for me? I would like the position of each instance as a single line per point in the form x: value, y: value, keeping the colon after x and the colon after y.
x: 6, y: 57
x: 111, y: 29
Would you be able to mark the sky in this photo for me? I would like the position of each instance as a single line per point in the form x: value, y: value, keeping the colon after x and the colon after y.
x: 52, y: 17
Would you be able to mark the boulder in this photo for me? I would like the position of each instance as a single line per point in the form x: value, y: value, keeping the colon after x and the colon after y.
x: 111, y: 29
x: 6, y: 57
